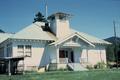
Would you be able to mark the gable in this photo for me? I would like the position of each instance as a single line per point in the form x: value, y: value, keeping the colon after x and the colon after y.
x: 73, y: 39
x: 74, y: 42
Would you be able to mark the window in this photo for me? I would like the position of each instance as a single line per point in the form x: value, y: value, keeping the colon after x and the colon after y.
x: 28, y: 50
x: 1, y: 51
x: 21, y: 49
x: 25, y: 50
x: 63, y: 54
x: 9, y: 50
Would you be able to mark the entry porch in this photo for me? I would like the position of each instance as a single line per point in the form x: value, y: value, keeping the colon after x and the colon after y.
x: 67, y: 58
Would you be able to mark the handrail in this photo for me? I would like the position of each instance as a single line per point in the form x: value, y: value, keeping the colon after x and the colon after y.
x: 71, y: 63
x: 69, y: 60
x: 63, y: 60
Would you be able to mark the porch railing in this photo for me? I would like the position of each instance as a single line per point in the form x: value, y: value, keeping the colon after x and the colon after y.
x: 70, y: 64
x: 63, y: 60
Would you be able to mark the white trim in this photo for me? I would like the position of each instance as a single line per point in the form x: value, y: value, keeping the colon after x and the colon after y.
x: 70, y: 36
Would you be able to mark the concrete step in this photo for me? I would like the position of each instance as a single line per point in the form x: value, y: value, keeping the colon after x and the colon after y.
x: 76, y: 67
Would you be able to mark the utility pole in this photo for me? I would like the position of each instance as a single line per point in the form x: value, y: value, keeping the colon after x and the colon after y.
x: 115, y: 38
x: 46, y: 9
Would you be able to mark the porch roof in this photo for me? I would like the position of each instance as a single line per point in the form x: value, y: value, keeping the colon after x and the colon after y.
x: 91, y: 40
x: 12, y: 58
x: 59, y: 41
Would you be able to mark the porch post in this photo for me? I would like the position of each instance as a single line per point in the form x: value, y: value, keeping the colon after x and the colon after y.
x: 5, y: 51
x: 23, y: 67
x: 57, y: 55
x: 87, y: 55
x: 9, y: 67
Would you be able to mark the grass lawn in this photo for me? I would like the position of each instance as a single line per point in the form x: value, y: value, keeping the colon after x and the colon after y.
x: 67, y: 75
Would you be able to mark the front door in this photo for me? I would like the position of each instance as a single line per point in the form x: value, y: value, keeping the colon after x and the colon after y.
x: 71, y: 57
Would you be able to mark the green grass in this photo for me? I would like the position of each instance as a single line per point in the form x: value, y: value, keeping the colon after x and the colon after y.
x: 67, y: 75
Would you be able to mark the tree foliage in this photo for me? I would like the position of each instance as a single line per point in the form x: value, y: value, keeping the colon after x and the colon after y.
x: 113, y: 51
x: 39, y: 18
x: 111, y: 55
x: 1, y: 31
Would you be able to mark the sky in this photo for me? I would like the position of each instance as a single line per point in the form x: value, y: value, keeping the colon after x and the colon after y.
x: 94, y: 17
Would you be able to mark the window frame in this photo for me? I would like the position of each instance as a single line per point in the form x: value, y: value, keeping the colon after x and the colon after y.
x: 28, y: 50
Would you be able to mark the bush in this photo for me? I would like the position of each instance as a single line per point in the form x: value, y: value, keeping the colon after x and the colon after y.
x: 89, y: 67
x: 100, y: 65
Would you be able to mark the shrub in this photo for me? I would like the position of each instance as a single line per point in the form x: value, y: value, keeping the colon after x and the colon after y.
x: 100, y: 65
x: 89, y: 67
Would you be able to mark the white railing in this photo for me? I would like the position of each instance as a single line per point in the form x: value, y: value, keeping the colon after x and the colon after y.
x: 63, y: 60
x: 71, y: 64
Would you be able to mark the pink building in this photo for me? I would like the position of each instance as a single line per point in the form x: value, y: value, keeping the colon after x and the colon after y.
x: 62, y: 47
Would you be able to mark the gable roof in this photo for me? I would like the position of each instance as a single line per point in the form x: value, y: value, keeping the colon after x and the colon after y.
x: 59, y: 41
x: 34, y: 31
x: 91, y: 40
x: 4, y: 36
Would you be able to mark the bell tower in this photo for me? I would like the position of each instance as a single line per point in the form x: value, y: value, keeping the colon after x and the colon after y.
x: 59, y: 24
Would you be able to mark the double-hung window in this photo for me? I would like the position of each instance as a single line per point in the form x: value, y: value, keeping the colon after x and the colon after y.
x: 25, y: 50
x: 28, y: 50
x: 21, y: 49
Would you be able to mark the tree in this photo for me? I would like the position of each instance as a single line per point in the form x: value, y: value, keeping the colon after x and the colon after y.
x: 39, y: 18
x: 1, y: 31
x: 110, y: 53
x: 113, y: 51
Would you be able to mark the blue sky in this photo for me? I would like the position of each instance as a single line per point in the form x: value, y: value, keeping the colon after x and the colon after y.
x: 94, y: 17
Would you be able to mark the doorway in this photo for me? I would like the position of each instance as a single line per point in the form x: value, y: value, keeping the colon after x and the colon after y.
x: 66, y: 56
x: 72, y: 56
